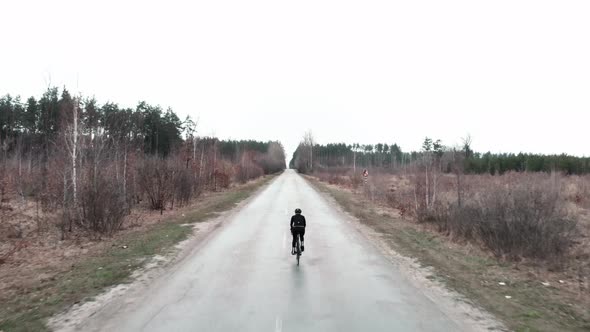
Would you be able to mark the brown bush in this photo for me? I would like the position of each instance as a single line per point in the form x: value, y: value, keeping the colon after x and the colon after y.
x: 356, y: 180
x: 103, y: 205
x: 157, y: 181
x: 322, y: 176
x: 526, y: 219
x: 337, y: 180
x: 222, y: 178
x: 248, y: 170
x: 185, y: 187
x: 576, y: 189
x: 400, y: 195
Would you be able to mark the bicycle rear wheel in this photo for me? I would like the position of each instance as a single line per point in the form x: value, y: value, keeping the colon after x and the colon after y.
x: 298, y: 247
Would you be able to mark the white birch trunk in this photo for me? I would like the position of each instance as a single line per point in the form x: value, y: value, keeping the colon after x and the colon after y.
x: 125, y: 172
x: 214, y: 166
x: 74, y: 153
x: 427, y: 191
x: 194, y: 148
x: 435, y: 181
x: 416, y: 199
x: 311, y: 157
x: 201, y: 164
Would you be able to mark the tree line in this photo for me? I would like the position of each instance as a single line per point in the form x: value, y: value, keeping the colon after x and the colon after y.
x: 310, y: 155
x: 491, y: 163
x: 93, y: 163
x: 35, y: 124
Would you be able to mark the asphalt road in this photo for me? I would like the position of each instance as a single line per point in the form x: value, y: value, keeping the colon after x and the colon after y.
x: 245, y: 279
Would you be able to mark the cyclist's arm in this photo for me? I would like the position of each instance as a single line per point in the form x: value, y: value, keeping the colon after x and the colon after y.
x: 304, y: 222
x: 292, y: 221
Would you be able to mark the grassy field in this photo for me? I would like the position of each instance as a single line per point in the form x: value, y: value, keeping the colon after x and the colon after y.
x: 92, y: 275
x: 532, y: 306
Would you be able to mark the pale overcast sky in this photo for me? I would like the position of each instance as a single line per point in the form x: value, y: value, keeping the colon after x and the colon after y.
x: 514, y: 74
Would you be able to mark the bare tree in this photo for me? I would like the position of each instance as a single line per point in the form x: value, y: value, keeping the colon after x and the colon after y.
x: 355, y: 149
x: 201, y: 162
x: 426, y: 182
x: 308, y: 142
x: 459, y: 156
x: 70, y: 136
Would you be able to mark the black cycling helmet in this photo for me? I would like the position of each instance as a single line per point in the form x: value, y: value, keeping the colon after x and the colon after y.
x: 298, y: 210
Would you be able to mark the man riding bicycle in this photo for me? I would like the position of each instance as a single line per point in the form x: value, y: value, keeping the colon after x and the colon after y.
x: 297, y: 229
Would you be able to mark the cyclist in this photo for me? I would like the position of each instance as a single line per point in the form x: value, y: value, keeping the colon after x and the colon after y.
x: 297, y: 229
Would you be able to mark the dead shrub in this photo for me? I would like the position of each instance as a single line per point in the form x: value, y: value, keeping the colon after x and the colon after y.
x: 523, y: 220
x: 222, y: 179
x: 334, y: 179
x: 356, y: 180
x: 514, y: 215
x: 185, y: 187
x: 156, y: 180
x: 322, y: 176
x: 103, y: 205
x: 340, y: 176
x: 247, y: 171
x: 400, y: 196
x: 328, y: 177
x: 227, y: 174
x: 576, y: 189
x: 51, y: 185
x: 526, y: 222
x: 376, y: 187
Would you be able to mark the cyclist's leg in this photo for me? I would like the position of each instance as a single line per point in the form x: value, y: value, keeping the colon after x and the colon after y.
x: 294, y: 234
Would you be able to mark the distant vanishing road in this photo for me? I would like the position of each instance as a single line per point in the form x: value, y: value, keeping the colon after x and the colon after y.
x: 245, y: 279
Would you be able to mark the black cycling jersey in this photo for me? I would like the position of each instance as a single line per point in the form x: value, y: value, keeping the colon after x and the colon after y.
x: 297, y: 227
x: 298, y: 221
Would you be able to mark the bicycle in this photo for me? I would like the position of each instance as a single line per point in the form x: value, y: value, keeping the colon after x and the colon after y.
x: 298, y: 247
